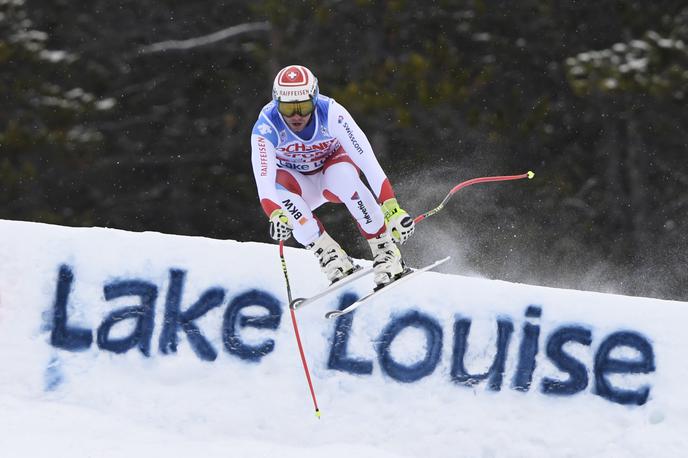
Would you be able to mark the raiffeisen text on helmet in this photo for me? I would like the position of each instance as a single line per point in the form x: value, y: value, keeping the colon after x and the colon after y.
x: 292, y: 93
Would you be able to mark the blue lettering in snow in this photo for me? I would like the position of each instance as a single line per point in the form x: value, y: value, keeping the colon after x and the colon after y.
x: 233, y: 319
x: 175, y: 319
x: 142, y: 314
x: 527, y: 351
x: 605, y: 364
x: 574, y: 376
x: 495, y: 373
x: 424, y: 367
x: 338, y: 359
x: 575, y: 370
x: 577, y: 373
x: 62, y: 335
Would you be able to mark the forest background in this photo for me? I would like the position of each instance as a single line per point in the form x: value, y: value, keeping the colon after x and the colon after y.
x: 137, y: 114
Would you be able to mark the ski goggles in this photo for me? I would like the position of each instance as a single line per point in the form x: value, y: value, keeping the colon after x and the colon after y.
x: 303, y: 108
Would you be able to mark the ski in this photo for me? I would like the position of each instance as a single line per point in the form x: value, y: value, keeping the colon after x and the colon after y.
x: 358, y: 273
x: 397, y: 282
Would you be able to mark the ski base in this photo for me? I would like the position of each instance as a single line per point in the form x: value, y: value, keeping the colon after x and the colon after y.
x: 397, y: 282
x: 357, y: 273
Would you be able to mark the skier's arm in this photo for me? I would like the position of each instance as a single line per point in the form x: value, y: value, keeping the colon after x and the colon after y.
x: 265, y: 171
x: 264, y: 164
x: 342, y: 126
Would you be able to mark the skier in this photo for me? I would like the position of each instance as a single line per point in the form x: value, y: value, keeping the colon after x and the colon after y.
x: 308, y: 150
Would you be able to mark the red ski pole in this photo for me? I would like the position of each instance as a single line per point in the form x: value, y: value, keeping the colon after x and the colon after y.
x: 419, y: 218
x: 466, y: 183
x: 296, y: 331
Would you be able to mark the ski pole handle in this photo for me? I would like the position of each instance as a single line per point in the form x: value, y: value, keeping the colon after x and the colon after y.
x: 470, y: 182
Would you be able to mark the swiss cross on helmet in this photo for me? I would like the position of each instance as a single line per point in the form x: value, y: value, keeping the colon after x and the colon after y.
x: 295, y: 83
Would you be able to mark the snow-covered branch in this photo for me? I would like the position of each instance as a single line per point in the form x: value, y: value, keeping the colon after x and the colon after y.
x: 204, y: 40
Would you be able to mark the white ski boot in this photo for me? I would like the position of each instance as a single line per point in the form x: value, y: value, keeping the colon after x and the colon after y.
x: 334, y: 261
x: 387, y: 262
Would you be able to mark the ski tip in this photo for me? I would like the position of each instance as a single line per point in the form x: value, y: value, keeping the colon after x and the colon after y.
x: 333, y: 314
x: 440, y: 262
x: 317, y: 413
x: 531, y: 174
x: 296, y: 303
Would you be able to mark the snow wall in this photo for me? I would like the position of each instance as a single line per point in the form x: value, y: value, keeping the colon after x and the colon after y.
x: 189, y: 337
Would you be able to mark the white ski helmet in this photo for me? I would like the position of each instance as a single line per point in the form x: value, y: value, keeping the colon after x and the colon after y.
x: 295, y: 83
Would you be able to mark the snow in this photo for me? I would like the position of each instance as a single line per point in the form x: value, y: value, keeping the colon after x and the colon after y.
x: 105, y: 104
x: 55, y: 56
x: 383, y: 380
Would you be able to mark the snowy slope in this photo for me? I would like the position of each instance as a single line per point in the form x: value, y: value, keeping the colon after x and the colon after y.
x: 142, y: 344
